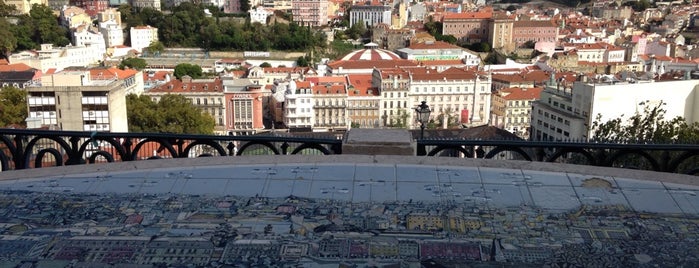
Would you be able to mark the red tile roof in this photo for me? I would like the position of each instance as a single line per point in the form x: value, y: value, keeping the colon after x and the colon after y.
x: 17, y: 67
x: 468, y: 15
x: 112, y: 72
x: 360, y: 85
x: 515, y: 93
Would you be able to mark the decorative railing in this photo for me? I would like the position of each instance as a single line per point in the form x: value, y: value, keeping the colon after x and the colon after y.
x: 676, y: 158
x: 22, y: 149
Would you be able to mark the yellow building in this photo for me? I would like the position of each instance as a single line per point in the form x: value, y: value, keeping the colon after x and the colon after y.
x: 24, y: 6
x: 425, y: 222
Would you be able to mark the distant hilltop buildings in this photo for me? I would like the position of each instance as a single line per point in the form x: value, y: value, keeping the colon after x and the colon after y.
x: 576, y: 67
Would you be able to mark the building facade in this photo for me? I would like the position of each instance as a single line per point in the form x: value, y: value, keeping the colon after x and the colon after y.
x: 370, y: 13
x: 205, y: 94
x: 84, y: 100
x: 312, y: 13
x: 565, y: 112
x: 512, y: 109
x: 142, y: 36
x: 469, y: 27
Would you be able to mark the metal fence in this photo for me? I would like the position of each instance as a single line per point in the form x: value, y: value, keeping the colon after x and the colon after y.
x: 22, y: 149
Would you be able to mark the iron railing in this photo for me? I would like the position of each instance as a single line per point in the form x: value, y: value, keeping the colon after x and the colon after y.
x: 22, y: 149
x: 676, y: 158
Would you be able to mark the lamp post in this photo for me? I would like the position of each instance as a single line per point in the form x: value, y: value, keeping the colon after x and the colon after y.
x: 423, y: 116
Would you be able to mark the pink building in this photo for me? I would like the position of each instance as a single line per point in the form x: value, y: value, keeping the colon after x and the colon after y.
x: 246, y: 109
x: 232, y: 6
x: 470, y: 27
x: 536, y: 31
x: 91, y: 7
x: 310, y: 12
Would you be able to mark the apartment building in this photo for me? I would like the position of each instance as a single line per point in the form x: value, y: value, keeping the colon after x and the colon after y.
x: 535, y: 31
x: 112, y: 33
x: 84, y: 100
x: 110, y: 14
x: 469, y: 27
x: 18, y: 75
x: 141, y: 4
x: 567, y: 112
x: 59, y: 58
x: 512, y: 109
x: 362, y: 101
x: 247, y: 108
x: 259, y: 15
x: 459, y: 93
x: 205, y: 94
x: 84, y: 36
x: 501, y: 32
x: 330, y: 107
x: 312, y: 13
x: 72, y: 16
x: 142, y: 36
x: 393, y: 84
x: 371, y: 13
x: 391, y: 39
x: 91, y: 7
x: 298, y: 112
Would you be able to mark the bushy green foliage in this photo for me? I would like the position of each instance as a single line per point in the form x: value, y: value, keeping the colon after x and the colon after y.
x: 192, y: 70
x: 648, y: 126
x: 172, y: 114
x: 13, y: 106
x: 133, y: 63
x: 40, y: 26
x: 187, y: 26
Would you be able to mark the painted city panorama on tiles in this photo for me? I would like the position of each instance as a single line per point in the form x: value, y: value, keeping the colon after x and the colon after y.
x: 325, y: 215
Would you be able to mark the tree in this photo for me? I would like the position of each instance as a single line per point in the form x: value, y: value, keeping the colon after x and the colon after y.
x: 133, y: 63
x: 302, y: 61
x: 172, y: 114
x: 8, y: 43
x: 46, y: 28
x: 13, y: 106
x: 155, y: 47
x: 647, y: 126
x: 265, y: 65
x: 192, y: 70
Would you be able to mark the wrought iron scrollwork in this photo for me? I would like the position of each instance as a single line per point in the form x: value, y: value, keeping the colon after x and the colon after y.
x: 677, y: 158
x: 21, y: 149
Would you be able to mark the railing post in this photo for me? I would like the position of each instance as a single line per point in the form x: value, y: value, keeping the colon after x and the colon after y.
x: 18, y: 154
x: 421, y: 149
x: 74, y: 157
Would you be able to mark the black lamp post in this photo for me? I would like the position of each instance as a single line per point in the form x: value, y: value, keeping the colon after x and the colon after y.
x: 423, y: 116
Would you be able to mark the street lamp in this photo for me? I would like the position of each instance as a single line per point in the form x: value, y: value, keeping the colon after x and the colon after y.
x: 423, y: 116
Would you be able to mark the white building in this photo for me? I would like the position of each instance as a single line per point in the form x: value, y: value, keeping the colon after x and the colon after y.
x: 298, y: 111
x: 143, y: 36
x: 568, y: 113
x: 371, y: 14
x: 438, y: 50
x: 259, y: 14
x: 59, y: 58
x: 460, y: 93
x: 82, y: 36
x: 112, y: 33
